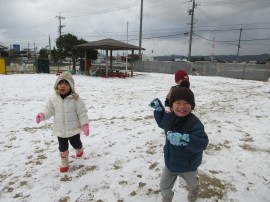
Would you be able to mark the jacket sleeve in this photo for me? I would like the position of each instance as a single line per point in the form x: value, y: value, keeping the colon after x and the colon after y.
x: 198, y: 138
x: 82, y: 112
x: 49, y: 109
x: 158, y: 117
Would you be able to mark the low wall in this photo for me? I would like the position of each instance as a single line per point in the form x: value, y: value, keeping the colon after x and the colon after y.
x: 30, y: 68
x: 237, y: 71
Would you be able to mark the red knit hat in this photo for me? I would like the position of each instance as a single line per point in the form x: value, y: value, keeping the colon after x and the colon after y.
x: 180, y: 75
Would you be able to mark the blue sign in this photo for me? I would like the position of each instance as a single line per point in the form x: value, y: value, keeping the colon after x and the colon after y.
x: 16, y: 47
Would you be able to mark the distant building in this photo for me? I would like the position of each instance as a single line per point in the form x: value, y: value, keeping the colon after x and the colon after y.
x: 136, y: 57
x: 3, y: 47
x: 147, y: 58
x: 178, y: 58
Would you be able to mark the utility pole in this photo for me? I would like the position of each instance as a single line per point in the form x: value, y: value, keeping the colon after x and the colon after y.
x: 140, y: 38
x: 35, y: 55
x: 60, y: 25
x: 50, y: 48
x: 28, y: 52
x: 127, y: 50
x: 59, y: 30
x: 239, y: 45
x: 191, y: 12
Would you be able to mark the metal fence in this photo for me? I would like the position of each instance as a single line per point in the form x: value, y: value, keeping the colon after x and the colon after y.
x: 259, y: 72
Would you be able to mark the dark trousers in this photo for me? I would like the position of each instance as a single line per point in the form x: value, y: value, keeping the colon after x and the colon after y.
x: 75, y: 142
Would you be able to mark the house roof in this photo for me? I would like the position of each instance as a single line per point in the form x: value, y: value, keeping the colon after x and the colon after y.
x: 3, y: 47
x: 109, y: 44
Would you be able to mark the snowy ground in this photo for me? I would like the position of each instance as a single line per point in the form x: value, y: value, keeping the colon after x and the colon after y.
x: 123, y: 154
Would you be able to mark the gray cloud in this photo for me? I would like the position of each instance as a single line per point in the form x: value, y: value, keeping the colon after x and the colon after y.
x: 216, y: 29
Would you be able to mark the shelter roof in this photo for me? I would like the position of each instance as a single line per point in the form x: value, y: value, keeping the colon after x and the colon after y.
x: 109, y: 44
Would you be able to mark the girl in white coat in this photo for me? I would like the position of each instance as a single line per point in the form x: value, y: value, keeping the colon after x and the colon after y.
x: 70, y: 117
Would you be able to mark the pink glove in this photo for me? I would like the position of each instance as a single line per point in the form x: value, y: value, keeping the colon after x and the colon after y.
x: 40, y: 117
x: 85, y: 129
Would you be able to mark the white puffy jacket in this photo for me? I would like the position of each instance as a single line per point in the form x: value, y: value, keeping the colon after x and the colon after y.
x: 69, y: 115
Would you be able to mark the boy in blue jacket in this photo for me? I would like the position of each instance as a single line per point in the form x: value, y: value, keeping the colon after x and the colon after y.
x: 185, y: 142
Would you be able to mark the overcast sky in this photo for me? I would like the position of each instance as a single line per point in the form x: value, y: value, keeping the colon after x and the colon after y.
x: 166, y: 24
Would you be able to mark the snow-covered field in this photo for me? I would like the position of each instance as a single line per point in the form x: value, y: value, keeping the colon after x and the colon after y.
x: 123, y: 154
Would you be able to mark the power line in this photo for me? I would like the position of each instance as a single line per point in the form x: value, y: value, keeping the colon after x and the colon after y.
x: 225, y: 41
x: 108, y: 10
x: 234, y: 29
x: 220, y: 3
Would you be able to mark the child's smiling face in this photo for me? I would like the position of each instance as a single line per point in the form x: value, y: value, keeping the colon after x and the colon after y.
x: 181, y: 108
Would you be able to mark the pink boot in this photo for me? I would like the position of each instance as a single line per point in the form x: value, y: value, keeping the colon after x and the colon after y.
x: 64, y: 161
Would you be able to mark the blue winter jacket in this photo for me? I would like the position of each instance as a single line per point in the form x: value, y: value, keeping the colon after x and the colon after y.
x: 188, y: 158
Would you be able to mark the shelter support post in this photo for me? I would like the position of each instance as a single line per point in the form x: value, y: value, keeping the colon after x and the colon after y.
x: 106, y: 63
x: 111, y: 59
x: 85, y: 64
x: 132, y: 63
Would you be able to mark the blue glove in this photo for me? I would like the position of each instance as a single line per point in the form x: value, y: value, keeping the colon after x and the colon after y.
x: 156, y: 105
x: 184, y: 140
x: 178, y: 139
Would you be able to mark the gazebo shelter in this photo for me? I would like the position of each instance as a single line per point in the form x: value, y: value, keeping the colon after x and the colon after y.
x: 109, y: 45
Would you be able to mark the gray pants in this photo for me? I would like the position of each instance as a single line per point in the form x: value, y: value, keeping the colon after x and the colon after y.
x: 168, y: 179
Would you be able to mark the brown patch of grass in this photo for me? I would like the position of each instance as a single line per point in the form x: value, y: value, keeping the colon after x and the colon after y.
x: 211, y: 187
x: 19, y: 195
x: 27, y: 175
x: 248, y: 147
x: 149, y: 117
x: 151, y: 191
x: 212, y: 148
x: 91, y: 168
x: 133, y: 193
x: 153, y: 165
x: 23, y: 183
x: 123, y: 182
x: 152, y: 147
x: 34, y: 129
x: 85, y: 169
x: 116, y: 167
x: 64, y: 199
x: 247, y: 139
x: 214, y: 172
x: 267, y: 151
x: 76, y: 167
x: 2, y: 177
x: 66, y: 178
x: 41, y: 156
x: 8, y: 189
x: 12, y: 139
x: 141, y: 184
